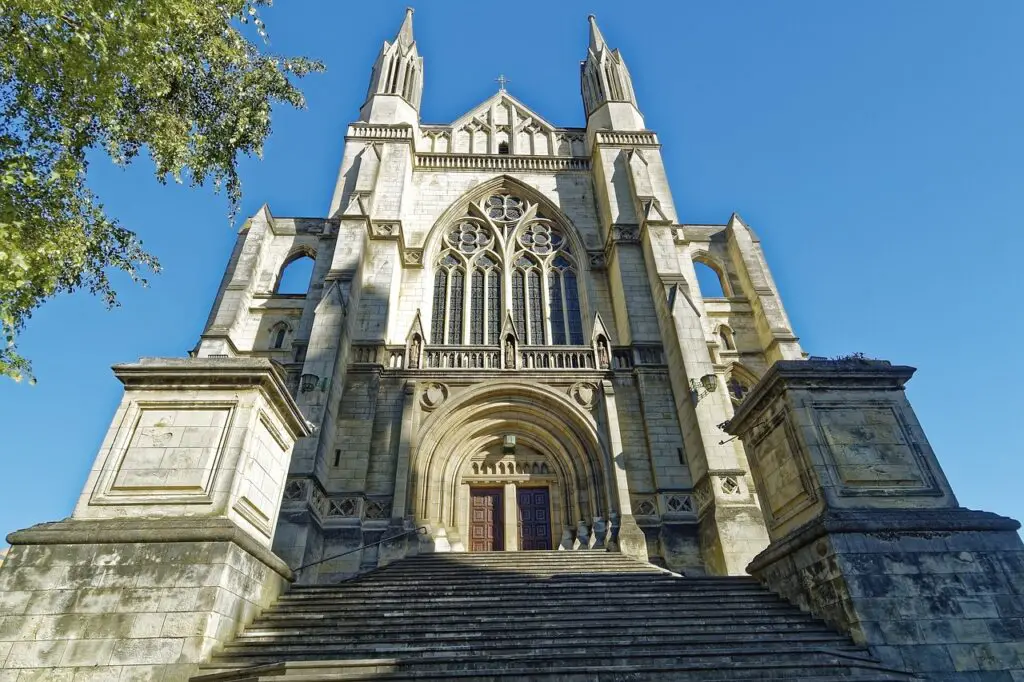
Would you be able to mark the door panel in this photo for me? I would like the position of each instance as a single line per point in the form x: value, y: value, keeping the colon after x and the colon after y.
x: 534, y: 518
x: 485, y: 520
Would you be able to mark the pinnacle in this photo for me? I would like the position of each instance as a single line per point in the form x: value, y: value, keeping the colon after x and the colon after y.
x: 597, y: 42
x: 405, y: 36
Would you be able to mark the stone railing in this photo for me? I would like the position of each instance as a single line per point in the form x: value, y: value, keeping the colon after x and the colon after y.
x: 556, y: 357
x: 462, y: 357
x: 502, y: 162
x: 640, y: 138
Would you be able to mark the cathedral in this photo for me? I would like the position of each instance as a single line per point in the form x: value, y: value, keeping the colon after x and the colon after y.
x: 503, y: 339
x: 493, y: 360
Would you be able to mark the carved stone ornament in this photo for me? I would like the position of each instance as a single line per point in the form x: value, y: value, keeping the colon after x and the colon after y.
x: 413, y: 257
x: 433, y: 395
x: 584, y: 393
x: 385, y: 229
x: 597, y: 260
x: 625, y: 234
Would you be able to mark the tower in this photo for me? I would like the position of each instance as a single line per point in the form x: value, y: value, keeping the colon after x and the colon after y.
x: 500, y: 343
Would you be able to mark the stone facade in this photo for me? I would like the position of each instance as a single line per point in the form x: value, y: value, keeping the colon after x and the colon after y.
x: 404, y: 405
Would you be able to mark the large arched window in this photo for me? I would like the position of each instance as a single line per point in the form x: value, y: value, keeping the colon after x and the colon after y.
x: 467, y: 287
x: 504, y: 255
x: 295, y: 275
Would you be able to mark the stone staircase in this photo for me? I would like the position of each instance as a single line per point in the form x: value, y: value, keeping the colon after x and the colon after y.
x: 570, y: 616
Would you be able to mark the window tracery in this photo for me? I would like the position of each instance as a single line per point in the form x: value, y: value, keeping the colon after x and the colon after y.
x: 508, y: 258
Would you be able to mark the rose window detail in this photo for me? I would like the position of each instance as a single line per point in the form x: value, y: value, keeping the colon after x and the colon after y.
x: 540, y: 239
x: 504, y: 208
x: 469, y: 237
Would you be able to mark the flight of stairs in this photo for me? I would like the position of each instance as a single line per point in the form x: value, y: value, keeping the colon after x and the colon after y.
x: 574, y: 616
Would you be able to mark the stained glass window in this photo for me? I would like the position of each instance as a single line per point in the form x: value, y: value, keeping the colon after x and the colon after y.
x: 572, y: 308
x: 455, y: 307
x: 556, y: 317
x: 440, y: 292
x: 536, y: 308
x: 476, y: 314
x: 494, y: 310
x: 519, y: 302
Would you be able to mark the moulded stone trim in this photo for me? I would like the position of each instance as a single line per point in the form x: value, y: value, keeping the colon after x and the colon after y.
x: 109, y: 492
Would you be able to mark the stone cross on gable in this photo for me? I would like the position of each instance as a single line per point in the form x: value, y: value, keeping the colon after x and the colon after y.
x: 501, y: 81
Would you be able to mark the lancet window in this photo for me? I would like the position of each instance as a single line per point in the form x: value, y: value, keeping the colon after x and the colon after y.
x: 505, y: 256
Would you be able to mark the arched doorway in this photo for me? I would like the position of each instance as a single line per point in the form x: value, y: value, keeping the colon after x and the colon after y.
x: 512, y: 457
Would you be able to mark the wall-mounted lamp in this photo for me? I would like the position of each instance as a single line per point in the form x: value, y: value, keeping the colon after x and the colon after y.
x: 307, y: 382
x: 509, y: 445
x: 703, y: 388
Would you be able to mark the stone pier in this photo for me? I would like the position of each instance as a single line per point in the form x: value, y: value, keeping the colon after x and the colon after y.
x: 865, y: 530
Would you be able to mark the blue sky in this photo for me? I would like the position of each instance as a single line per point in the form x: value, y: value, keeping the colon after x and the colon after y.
x: 876, y: 147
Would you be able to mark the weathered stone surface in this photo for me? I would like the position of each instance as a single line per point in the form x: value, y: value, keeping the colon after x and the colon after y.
x: 865, y: 529
x: 129, y: 599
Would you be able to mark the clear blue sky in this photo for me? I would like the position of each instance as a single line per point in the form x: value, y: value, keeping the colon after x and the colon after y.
x: 876, y: 147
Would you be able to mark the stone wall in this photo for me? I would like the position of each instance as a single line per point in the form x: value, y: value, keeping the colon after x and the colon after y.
x: 128, y: 600
x: 936, y: 593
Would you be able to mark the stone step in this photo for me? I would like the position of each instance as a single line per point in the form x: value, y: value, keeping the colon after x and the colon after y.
x: 428, y: 630
x: 591, y: 616
x: 526, y: 609
x: 554, y: 583
x: 781, y: 663
x: 383, y: 643
x: 656, y: 590
x: 540, y: 649
x: 430, y: 623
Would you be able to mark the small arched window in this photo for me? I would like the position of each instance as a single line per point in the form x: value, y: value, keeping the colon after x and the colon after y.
x: 503, y: 148
x: 278, y: 334
x: 726, y: 337
x: 295, y: 275
x: 709, y: 280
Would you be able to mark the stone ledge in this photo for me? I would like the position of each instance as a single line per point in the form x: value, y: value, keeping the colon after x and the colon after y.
x: 895, y: 521
x: 148, y: 530
x: 165, y: 373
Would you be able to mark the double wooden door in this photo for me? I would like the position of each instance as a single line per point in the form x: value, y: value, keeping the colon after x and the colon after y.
x: 487, y: 522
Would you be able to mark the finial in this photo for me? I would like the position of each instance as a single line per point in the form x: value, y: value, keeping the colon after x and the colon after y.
x: 501, y: 81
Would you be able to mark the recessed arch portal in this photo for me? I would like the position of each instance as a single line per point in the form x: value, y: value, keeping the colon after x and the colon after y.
x: 542, y: 420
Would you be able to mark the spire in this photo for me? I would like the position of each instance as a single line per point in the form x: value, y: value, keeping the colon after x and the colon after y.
x: 597, y: 42
x: 404, y: 37
x: 397, y: 72
x: 605, y: 80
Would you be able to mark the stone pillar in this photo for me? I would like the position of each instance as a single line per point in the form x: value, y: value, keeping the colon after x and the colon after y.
x: 626, y: 534
x: 511, y: 518
x: 865, y: 530
x: 167, y: 554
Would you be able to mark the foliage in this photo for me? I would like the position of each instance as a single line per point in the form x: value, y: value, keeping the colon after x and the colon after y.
x: 179, y: 78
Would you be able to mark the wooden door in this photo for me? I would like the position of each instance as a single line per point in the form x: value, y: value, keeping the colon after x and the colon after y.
x: 485, y: 520
x: 534, y: 518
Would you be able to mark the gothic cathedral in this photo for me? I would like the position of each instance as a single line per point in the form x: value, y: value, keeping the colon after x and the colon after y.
x: 503, y: 339
x: 489, y: 384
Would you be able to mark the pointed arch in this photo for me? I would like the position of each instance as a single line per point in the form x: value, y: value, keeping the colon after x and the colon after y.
x: 296, y: 272
x: 500, y: 183
x: 539, y: 416
x: 704, y: 258
x: 538, y: 273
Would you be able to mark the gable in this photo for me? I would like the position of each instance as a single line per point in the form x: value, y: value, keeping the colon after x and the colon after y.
x: 503, y: 120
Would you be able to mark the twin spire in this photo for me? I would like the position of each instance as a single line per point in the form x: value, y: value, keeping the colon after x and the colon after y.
x: 399, y: 71
x: 399, y: 68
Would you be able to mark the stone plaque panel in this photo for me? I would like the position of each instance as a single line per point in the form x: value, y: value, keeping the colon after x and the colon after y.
x: 871, y: 450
